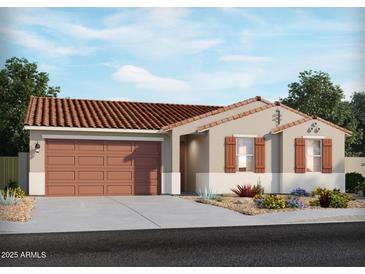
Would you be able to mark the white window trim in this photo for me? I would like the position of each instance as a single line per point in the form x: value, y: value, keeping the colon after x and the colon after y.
x: 250, y: 155
x: 317, y: 156
x: 313, y: 137
x: 244, y: 135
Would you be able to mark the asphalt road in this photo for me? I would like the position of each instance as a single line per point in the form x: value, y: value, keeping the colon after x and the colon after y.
x: 341, y: 244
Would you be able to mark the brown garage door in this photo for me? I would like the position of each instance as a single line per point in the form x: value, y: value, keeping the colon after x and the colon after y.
x: 79, y: 167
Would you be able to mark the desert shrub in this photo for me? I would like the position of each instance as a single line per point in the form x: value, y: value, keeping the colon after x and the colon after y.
x: 12, y: 184
x: 7, y: 198
x: 339, y: 200
x: 332, y: 198
x: 19, y: 193
x: 325, y: 198
x: 299, y: 192
x: 294, y: 202
x: 314, y: 202
x: 318, y: 191
x: 13, y: 187
x: 207, y: 194
x: 247, y: 190
x: 353, y: 181
x: 271, y: 201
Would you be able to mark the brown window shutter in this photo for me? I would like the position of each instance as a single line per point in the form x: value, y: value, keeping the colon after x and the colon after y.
x: 230, y: 165
x: 299, y: 155
x: 327, y: 156
x: 259, y: 155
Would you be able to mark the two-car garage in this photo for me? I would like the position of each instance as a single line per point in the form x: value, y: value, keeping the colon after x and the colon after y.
x: 94, y: 167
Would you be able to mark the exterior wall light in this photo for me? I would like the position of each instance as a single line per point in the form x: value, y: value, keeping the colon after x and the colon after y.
x: 37, y: 147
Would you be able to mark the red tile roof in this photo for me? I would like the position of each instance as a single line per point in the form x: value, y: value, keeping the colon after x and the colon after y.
x: 59, y: 112
x: 216, y: 111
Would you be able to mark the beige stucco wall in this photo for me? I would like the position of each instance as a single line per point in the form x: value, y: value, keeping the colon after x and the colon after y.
x: 191, y: 128
x: 355, y: 164
x: 259, y: 124
x: 326, y: 131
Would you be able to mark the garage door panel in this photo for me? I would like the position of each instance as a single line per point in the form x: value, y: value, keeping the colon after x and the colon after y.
x: 61, y: 160
x: 147, y: 175
x: 102, y: 167
x: 119, y: 190
x: 146, y: 162
x: 90, y: 190
x: 146, y: 148
x: 120, y: 147
x: 61, y: 190
x: 61, y: 175
x: 90, y: 146
x: 120, y: 175
x: 144, y: 189
x: 90, y: 160
x: 119, y: 161
x: 91, y: 175
x: 60, y: 145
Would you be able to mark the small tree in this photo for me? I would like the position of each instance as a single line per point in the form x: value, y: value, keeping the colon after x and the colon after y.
x: 315, y: 94
x: 358, y: 108
x: 19, y: 80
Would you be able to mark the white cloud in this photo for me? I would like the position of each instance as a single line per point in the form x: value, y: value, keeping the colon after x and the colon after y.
x: 41, y: 44
x: 244, y: 58
x: 143, y: 79
x: 155, y: 32
x: 349, y: 87
x: 36, y: 42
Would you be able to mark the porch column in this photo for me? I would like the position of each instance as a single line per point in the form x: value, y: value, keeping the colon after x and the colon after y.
x: 171, y: 178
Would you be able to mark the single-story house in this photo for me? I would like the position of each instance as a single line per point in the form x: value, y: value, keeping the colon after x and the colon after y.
x: 96, y: 147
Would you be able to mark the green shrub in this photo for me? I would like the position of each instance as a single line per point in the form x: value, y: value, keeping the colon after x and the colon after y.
x: 331, y: 198
x: 339, y: 200
x: 12, y: 184
x: 19, y: 193
x: 271, y: 201
x: 314, y: 202
x: 353, y: 181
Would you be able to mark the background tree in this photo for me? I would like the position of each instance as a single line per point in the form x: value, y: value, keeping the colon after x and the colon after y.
x: 19, y: 79
x: 315, y: 94
x: 358, y: 108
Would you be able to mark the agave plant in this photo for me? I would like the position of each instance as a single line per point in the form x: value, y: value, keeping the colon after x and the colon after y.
x: 207, y: 193
x: 7, y: 197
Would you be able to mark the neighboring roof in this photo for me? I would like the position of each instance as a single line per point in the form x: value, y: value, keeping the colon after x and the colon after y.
x: 216, y: 111
x: 63, y: 112
x: 301, y: 121
x: 235, y: 117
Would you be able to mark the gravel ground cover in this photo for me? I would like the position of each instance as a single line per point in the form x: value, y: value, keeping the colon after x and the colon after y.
x: 18, y: 212
x: 247, y: 206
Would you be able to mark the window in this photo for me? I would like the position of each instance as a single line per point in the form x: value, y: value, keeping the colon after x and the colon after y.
x: 313, y: 159
x: 245, y: 154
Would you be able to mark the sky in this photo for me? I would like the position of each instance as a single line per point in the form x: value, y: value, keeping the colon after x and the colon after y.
x: 213, y: 56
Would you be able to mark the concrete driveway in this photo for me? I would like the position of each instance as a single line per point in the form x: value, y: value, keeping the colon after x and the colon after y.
x: 63, y: 214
